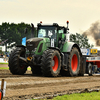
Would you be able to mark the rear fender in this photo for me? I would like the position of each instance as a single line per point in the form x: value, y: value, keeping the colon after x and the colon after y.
x: 67, y: 47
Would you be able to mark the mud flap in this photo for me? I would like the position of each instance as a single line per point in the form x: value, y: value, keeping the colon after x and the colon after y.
x: 83, y: 66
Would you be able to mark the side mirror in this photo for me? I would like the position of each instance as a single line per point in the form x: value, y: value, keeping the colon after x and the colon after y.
x: 32, y: 30
x: 32, y: 25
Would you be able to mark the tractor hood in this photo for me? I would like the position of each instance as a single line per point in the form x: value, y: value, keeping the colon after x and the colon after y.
x: 32, y: 43
x: 42, y: 46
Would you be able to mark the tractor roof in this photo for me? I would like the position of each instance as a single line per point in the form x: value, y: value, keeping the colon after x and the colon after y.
x: 50, y: 25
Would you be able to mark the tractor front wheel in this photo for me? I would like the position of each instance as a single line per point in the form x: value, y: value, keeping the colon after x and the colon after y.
x: 17, y: 66
x: 51, y: 63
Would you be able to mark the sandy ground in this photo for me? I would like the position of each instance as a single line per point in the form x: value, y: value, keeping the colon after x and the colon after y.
x: 21, y: 87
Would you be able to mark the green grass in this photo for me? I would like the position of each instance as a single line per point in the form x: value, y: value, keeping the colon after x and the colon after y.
x: 29, y: 68
x: 8, y: 68
x: 82, y: 96
x: 4, y: 63
x: 4, y: 68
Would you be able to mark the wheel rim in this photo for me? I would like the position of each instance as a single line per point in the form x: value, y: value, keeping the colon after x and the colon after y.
x: 55, y: 67
x: 74, y: 62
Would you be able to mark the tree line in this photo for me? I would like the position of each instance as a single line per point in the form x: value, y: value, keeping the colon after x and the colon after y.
x: 81, y: 40
x: 11, y: 32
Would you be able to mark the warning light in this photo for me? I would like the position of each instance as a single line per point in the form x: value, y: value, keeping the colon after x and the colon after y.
x: 67, y: 22
x: 41, y: 22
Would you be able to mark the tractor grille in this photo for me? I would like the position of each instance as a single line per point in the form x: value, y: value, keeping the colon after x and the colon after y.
x: 32, y: 43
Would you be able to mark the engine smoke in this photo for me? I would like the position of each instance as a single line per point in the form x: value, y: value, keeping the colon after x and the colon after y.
x: 94, y: 31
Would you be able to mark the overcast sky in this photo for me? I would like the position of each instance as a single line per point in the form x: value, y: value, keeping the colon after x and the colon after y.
x: 80, y: 13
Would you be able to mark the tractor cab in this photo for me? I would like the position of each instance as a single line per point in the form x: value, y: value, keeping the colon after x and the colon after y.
x: 54, y: 32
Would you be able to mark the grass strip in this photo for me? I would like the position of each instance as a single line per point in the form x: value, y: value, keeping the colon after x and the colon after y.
x: 82, y: 96
x: 4, y: 67
x: 77, y: 96
x: 8, y: 68
x: 3, y: 63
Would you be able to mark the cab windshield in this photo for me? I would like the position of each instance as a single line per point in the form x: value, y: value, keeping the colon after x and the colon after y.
x: 47, y: 31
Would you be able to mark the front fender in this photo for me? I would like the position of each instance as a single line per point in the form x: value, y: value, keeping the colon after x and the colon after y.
x: 42, y: 46
x: 68, y: 46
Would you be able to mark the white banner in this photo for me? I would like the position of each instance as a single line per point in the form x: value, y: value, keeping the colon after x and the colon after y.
x: 85, y: 51
x: 2, y: 60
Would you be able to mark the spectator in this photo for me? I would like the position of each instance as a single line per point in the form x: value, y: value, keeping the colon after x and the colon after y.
x: 2, y: 55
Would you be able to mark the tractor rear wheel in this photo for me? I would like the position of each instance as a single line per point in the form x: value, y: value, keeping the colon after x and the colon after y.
x: 51, y: 63
x: 17, y: 66
x: 73, y: 62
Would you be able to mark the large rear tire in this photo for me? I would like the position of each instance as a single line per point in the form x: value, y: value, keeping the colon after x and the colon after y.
x: 73, y: 62
x: 17, y: 66
x: 51, y: 63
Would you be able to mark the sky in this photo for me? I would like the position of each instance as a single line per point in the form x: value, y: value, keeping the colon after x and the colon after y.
x: 80, y: 13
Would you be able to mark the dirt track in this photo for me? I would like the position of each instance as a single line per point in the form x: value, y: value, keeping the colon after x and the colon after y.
x: 27, y: 86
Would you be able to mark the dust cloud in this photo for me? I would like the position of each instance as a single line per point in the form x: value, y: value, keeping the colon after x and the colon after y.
x: 94, y: 31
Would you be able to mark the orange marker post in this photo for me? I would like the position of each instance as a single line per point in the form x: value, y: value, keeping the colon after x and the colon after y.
x: 0, y: 95
x: 2, y: 85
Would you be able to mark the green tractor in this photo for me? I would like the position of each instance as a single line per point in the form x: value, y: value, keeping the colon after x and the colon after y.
x: 49, y: 53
